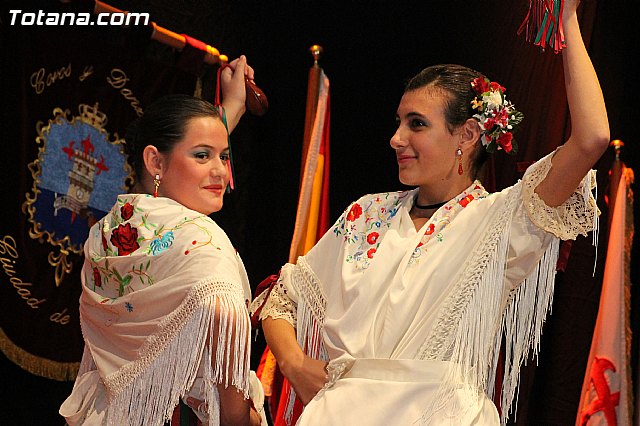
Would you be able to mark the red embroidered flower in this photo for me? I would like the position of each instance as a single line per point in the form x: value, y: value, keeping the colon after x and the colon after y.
x: 504, y: 140
x: 480, y: 85
x: 126, y: 211
x: 466, y: 200
x: 430, y: 229
x: 125, y: 238
x: 97, y: 278
x: 354, y: 213
x: 372, y: 238
x: 370, y: 253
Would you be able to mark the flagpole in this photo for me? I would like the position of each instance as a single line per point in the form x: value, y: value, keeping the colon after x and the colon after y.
x: 615, y: 174
x: 167, y: 37
x: 313, y: 89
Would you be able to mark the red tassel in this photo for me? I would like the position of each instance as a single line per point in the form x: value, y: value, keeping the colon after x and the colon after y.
x: 543, y: 24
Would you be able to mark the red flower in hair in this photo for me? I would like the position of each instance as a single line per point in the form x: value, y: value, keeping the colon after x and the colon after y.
x: 126, y: 211
x: 504, y: 140
x: 354, y: 213
x: 488, y: 125
x: 480, y: 85
x: 126, y: 239
x: 496, y: 86
x: 497, y: 116
x: 502, y: 118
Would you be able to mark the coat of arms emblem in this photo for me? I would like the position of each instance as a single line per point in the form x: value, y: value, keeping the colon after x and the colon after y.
x: 79, y: 172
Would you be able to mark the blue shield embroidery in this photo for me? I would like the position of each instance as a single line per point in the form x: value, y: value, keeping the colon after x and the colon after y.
x: 77, y: 177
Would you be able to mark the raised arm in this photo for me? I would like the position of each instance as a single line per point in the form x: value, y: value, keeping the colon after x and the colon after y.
x: 589, y: 124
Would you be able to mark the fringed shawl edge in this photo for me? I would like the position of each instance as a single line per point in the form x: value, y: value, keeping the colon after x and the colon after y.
x: 475, y: 310
x: 146, y: 390
x: 310, y: 316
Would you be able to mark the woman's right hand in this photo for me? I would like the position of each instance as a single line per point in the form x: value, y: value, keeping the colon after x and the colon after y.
x: 254, y: 417
x: 307, y: 376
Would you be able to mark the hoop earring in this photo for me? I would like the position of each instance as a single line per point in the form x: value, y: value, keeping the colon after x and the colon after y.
x: 459, y: 154
x: 156, y: 184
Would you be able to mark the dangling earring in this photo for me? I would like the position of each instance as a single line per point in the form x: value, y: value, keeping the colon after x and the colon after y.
x: 156, y: 184
x: 459, y: 154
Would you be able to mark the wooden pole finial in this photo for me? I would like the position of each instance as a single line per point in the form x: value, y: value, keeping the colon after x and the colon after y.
x: 617, y: 145
x: 316, y: 52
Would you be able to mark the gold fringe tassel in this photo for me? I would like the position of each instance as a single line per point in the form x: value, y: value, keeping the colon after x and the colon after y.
x: 39, y: 366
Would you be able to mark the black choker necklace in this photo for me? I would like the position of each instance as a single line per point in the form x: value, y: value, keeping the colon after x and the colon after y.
x: 428, y: 206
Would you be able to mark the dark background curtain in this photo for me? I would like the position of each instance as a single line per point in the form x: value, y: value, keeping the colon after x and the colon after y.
x: 371, y: 49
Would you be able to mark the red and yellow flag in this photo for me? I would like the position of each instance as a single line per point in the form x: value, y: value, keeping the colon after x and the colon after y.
x: 312, y: 217
x: 312, y: 221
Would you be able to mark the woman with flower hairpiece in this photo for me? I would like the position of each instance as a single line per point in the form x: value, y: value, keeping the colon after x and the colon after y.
x: 164, y: 300
x: 397, y: 315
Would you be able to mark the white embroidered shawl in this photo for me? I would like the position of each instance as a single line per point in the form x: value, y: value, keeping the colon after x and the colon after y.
x: 481, y: 268
x: 164, y: 303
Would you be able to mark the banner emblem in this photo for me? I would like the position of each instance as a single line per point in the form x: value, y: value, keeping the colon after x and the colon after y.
x: 79, y: 172
x: 605, y: 401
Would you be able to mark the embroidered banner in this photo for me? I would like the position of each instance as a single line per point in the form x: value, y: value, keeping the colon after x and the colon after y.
x: 606, y: 398
x: 72, y: 90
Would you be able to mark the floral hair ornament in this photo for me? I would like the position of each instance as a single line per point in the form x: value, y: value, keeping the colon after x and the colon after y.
x: 497, y: 117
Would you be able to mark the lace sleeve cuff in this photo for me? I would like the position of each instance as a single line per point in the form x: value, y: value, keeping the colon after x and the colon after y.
x: 577, y: 215
x: 278, y: 305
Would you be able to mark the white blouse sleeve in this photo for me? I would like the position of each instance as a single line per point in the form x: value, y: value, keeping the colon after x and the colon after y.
x: 278, y: 304
x: 536, y: 227
x: 577, y: 215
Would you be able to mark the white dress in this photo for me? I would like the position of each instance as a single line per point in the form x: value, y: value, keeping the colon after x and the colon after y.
x: 412, y: 321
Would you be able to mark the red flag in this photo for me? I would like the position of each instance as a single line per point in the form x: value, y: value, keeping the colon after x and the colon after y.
x: 606, y: 391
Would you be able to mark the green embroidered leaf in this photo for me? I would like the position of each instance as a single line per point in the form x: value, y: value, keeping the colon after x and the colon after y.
x: 144, y: 222
x: 118, y: 276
